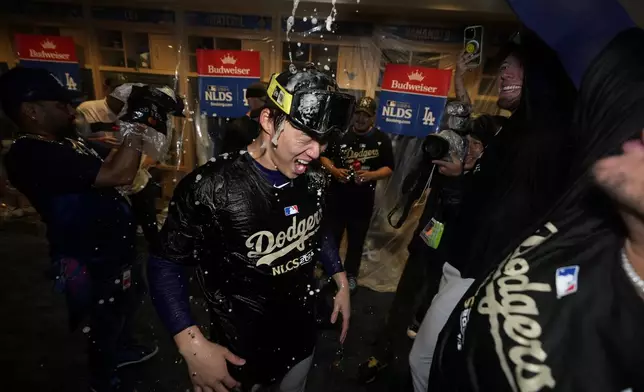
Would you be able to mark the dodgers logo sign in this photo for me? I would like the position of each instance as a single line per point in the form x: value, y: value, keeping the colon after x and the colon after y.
x: 224, y: 76
x: 55, y: 54
x: 412, y: 99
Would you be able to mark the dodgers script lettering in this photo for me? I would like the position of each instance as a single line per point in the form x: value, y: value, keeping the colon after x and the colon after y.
x: 273, y: 246
x: 513, y: 311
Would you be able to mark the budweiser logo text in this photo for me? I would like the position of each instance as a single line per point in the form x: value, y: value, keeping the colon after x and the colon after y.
x: 49, y: 55
x: 413, y: 87
x: 228, y: 71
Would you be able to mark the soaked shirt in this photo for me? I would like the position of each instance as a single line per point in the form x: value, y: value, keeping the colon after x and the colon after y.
x: 559, y: 313
x: 93, y: 225
x: 255, y: 241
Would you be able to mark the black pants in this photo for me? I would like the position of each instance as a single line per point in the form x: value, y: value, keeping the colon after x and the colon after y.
x: 353, y: 213
x: 417, y: 286
x: 110, y: 318
x: 145, y: 213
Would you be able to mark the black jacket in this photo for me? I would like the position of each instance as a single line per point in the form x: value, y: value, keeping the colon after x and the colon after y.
x: 559, y: 312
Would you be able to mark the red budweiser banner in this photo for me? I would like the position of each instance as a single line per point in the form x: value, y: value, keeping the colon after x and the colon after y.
x: 417, y: 80
x: 46, y: 48
x: 228, y: 63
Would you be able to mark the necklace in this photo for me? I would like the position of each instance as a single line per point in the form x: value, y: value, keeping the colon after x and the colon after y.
x: 77, y: 145
x: 637, y: 281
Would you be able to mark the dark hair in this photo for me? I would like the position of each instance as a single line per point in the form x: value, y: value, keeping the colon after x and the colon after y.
x: 485, y: 127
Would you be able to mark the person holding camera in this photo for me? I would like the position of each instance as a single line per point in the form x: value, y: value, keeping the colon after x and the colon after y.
x: 448, y: 174
x: 357, y: 161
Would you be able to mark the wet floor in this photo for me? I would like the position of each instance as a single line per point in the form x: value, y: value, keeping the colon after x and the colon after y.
x: 40, y: 354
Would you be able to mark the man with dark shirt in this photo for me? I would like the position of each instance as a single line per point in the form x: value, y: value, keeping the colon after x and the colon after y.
x: 424, y: 267
x: 241, y: 132
x: 563, y: 308
x: 357, y: 161
x: 251, y: 222
x: 89, y: 224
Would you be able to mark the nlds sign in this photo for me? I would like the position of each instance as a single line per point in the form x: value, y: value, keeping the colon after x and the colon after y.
x: 224, y: 76
x: 55, y: 54
x: 412, y: 99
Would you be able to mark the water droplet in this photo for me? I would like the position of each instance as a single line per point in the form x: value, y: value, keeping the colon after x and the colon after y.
x: 197, y: 203
x: 213, y: 159
x: 111, y: 299
x: 101, y: 301
x: 327, y: 68
x: 117, y: 281
x: 314, y: 21
x: 198, y: 178
x: 311, y: 292
x: 86, y: 329
x: 304, y: 19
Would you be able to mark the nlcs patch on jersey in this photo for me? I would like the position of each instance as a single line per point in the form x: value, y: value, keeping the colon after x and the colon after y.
x: 567, y: 280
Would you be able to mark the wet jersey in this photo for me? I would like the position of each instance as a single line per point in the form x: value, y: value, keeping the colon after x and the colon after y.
x: 559, y: 313
x: 255, y: 245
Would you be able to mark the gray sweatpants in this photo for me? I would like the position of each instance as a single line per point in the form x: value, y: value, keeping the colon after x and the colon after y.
x: 294, y: 381
x: 451, y: 290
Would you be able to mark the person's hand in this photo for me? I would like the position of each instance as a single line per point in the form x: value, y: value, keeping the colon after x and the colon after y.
x: 461, y: 63
x: 453, y: 168
x: 111, y: 140
x: 207, y: 364
x: 364, y: 176
x: 342, y: 304
x: 622, y: 177
x: 342, y: 175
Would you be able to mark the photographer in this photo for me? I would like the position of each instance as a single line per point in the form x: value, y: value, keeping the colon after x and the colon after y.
x: 449, y: 178
x: 357, y: 161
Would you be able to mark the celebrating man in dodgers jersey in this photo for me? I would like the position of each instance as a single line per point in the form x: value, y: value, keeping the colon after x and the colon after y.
x: 252, y: 226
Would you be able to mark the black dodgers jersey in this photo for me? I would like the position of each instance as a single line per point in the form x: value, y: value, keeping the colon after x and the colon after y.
x: 559, y: 313
x: 257, y: 249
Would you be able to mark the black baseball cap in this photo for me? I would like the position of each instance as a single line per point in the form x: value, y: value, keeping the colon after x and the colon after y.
x: 256, y: 90
x: 366, y: 105
x: 22, y: 84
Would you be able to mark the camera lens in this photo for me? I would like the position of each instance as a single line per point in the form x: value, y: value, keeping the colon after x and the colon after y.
x: 435, y: 147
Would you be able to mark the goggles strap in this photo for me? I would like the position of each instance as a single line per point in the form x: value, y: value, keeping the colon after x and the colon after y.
x: 276, y: 136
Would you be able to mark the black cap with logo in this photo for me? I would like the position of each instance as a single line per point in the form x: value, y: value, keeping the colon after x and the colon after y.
x: 366, y: 105
x: 21, y: 84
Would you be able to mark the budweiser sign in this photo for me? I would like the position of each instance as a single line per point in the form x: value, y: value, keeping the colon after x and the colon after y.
x: 46, y: 48
x: 235, y: 63
x: 417, y: 80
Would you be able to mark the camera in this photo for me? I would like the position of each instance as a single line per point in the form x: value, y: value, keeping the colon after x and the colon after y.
x: 441, y: 145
